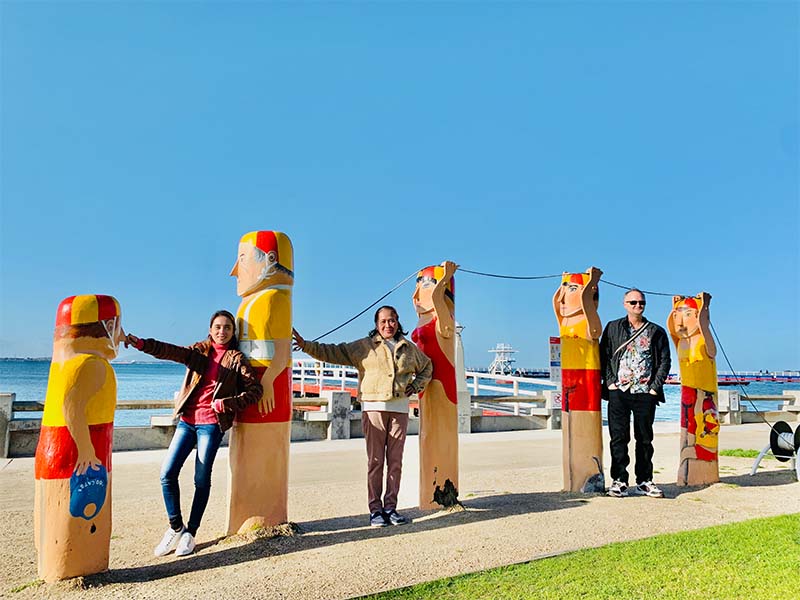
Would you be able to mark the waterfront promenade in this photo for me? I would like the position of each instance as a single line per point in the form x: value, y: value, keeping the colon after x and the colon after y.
x: 510, y: 485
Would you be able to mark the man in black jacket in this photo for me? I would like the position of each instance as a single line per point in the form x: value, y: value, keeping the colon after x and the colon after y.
x: 634, y: 362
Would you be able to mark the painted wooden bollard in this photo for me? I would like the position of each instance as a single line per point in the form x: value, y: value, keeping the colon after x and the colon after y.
x: 575, y: 304
x: 689, y: 326
x: 434, y: 302
x: 258, y: 483
x: 72, y: 505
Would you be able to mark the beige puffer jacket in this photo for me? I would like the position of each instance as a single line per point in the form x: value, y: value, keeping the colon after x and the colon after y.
x: 383, y: 375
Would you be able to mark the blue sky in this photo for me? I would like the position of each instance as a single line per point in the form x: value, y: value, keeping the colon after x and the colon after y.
x: 656, y: 140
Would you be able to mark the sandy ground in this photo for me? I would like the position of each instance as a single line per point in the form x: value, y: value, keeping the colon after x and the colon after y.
x: 510, y: 485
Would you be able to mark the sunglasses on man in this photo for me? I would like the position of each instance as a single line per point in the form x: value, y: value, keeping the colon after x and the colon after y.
x: 635, y: 302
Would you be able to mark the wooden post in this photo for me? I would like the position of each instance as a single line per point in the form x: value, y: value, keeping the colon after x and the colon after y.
x: 434, y: 302
x: 339, y: 409
x: 689, y: 326
x: 258, y: 485
x: 552, y: 402
x: 72, y: 504
x: 6, y: 412
x: 464, y: 404
x: 575, y: 304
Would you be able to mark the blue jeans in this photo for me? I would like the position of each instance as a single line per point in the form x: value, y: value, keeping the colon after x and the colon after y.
x: 207, y: 438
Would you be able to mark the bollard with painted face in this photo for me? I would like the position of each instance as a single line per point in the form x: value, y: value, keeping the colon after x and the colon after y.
x: 258, y: 484
x: 434, y: 302
x: 575, y: 304
x: 72, y: 512
x: 689, y: 326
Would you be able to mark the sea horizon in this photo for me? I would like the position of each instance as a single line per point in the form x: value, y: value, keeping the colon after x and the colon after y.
x: 159, y: 380
x: 119, y: 361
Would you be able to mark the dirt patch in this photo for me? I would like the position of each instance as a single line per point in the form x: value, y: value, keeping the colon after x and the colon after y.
x: 265, y: 533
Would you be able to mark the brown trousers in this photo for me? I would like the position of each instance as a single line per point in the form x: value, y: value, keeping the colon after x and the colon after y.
x: 385, y: 433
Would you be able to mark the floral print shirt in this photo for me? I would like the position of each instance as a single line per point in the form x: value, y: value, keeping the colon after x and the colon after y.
x: 636, y: 364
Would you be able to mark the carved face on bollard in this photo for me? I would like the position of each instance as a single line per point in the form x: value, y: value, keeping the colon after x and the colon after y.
x: 90, y: 319
x: 686, y: 318
x: 575, y: 304
x: 265, y: 258
x: 569, y: 302
x: 427, y: 279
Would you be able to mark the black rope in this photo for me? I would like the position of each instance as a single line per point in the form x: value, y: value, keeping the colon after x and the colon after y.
x: 463, y: 270
x: 365, y: 310
x: 532, y: 277
x: 760, y: 413
x: 625, y: 287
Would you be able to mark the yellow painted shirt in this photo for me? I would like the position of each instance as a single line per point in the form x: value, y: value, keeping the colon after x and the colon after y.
x: 578, y: 352
x: 262, y: 319
x: 64, y: 376
x: 697, y: 369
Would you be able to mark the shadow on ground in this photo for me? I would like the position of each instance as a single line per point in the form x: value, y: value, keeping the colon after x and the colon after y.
x: 763, y: 479
x: 339, y: 530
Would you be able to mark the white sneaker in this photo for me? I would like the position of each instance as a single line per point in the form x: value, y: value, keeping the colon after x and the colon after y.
x: 169, y: 541
x: 185, y: 544
x: 618, y: 489
x: 648, y: 488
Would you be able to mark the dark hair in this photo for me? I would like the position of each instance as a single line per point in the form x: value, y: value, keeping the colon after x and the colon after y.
x: 93, y: 330
x: 625, y: 295
x: 234, y: 343
x: 400, y: 331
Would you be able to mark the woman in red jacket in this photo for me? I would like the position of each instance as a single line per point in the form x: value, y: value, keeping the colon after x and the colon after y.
x: 219, y: 381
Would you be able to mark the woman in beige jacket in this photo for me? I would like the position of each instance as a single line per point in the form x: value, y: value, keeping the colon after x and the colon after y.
x: 390, y: 369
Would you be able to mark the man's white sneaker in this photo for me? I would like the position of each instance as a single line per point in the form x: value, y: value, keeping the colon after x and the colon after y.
x: 185, y: 544
x: 169, y: 541
x: 618, y: 489
x: 648, y: 488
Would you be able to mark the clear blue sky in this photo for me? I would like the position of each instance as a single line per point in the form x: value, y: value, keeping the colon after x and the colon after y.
x: 656, y: 140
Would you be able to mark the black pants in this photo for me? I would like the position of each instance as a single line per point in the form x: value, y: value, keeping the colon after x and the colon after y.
x: 620, y: 406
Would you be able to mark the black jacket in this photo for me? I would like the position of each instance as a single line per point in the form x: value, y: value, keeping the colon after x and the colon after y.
x: 614, y: 335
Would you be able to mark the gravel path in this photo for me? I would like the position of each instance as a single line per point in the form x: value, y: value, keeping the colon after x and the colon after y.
x: 510, y: 486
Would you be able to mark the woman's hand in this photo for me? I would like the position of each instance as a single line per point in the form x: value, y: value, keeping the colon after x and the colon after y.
x: 410, y: 391
x: 218, y: 405
x: 299, y: 342
x: 132, y: 340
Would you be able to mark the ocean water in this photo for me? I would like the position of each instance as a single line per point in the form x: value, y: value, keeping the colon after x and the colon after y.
x: 670, y: 410
x: 136, y: 381
x: 160, y: 381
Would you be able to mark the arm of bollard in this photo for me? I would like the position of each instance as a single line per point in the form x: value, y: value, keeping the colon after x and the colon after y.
x: 89, y: 378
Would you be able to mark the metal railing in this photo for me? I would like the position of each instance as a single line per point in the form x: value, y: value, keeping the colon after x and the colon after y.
x: 506, y: 384
x: 310, y: 372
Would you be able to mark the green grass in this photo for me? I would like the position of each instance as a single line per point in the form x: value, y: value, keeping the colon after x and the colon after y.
x: 742, y: 453
x: 25, y: 586
x: 755, y: 560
